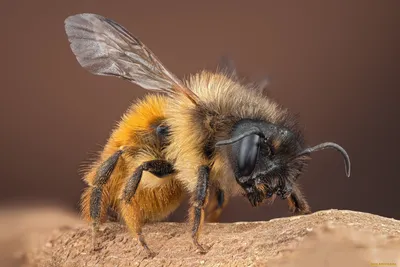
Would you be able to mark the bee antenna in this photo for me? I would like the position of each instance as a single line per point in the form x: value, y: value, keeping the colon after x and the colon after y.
x: 330, y: 145
x: 236, y: 138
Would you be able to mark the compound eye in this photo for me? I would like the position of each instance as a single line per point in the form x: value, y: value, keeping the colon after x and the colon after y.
x: 247, y: 154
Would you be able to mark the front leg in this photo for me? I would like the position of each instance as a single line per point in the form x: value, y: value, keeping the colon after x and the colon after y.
x: 217, y: 201
x: 198, y: 204
x: 297, y: 202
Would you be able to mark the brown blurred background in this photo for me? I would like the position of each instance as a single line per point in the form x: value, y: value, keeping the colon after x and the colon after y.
x: 336, y: 63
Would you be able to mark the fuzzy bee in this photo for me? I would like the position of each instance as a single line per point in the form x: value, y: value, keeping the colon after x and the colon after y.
x: 210, y: 136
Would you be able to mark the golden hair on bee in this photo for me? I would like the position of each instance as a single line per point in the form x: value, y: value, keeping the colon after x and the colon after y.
x: 211, y: 136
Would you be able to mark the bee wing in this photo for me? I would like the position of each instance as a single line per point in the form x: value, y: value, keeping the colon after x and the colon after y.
x: 227, y: 66
x: 261, y: 85
x: 104, y: 47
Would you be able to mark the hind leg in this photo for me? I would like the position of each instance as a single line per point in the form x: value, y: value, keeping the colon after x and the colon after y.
x: 112, y: 214
x: 95, y: 199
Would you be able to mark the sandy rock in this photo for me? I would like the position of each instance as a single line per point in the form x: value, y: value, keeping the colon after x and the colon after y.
x: 325, y: 238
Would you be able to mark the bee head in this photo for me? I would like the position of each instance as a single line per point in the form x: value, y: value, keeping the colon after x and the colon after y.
x: 267, y: 158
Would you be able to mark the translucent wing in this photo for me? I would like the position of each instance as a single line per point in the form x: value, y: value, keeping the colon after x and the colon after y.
x: 261, y: 85
x: 227, y: 66
x: 104, y: 47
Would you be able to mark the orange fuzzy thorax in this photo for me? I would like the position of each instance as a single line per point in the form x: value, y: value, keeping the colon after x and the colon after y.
x: 139, y: 118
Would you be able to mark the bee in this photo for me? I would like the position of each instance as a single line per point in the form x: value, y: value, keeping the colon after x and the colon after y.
x: 211, y: 136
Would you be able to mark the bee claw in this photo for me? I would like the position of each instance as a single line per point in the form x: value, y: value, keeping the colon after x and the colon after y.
x: 150, y: 254
x: 305, y: 212
x: 201, y: 249
x: 96, y: 248
x: 95, y: 231
x: 298, y: 211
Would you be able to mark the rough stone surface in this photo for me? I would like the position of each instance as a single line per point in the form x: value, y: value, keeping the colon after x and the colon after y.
x: 325, y: 238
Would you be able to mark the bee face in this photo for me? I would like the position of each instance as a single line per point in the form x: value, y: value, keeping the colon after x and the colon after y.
x: 267, y: 158
x: 265, y: 162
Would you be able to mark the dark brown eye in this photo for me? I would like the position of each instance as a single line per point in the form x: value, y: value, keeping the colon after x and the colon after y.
x: 247, y: 154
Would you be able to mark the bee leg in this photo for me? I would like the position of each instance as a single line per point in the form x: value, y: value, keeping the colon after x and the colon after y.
x: 197, y: 210
x: 133, y: 218
x: 158, y: 167
x: 297, y: 202
x: 95, y: 232
x: 97, y: 201
x: 112, y: 214
x: 216, y: 205
x: 131, y: 214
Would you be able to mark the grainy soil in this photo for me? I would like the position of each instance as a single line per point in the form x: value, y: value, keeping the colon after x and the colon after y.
x: 325, y: 238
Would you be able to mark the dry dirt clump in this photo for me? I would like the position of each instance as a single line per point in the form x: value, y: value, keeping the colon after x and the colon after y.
x: 325, y: 238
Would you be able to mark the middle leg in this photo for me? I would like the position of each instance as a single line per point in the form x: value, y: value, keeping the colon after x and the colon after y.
x: 130, y: 209
x: 198, y: 203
